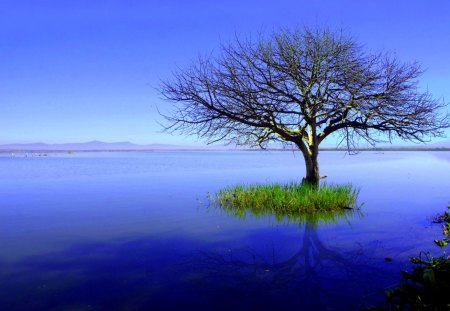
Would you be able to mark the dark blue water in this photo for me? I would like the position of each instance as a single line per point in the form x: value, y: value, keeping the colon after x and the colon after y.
x: 124, y: 231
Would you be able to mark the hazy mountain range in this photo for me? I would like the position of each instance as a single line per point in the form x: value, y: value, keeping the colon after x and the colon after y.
x: 103, y: 146
x: 91, y: 146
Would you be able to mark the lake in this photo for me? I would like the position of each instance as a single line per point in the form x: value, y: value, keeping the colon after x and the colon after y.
x: 135, y: 230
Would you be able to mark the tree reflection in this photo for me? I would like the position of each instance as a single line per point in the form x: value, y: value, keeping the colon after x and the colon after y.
x: 315, y: 276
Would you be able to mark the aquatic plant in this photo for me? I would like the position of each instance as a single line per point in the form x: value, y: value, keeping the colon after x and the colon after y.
x: 443, y: 219
x: 427, y: 286
x: 293, y: 200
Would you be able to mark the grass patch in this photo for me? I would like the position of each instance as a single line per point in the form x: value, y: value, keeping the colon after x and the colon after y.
x: 292, y: 200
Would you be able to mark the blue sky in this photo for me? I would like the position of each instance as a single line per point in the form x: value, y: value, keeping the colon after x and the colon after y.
x: 81, y: 70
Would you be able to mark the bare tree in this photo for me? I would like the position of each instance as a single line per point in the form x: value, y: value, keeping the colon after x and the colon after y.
x: 298, y: 87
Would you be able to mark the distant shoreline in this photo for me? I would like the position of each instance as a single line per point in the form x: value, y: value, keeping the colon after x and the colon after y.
x: 33, y: 151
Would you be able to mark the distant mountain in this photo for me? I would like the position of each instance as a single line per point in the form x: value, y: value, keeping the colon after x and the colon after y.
x: 126, y: 146
x: 92, y: 146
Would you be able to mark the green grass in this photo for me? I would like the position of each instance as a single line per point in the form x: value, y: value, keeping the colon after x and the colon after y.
x: 292, y: 200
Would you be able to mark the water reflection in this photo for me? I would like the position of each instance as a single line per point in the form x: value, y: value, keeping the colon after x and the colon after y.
x: 315, y: 276
x: 110, y: 232
x: 177, y: 272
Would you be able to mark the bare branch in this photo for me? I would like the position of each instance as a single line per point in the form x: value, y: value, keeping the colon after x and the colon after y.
x: 300, y: 86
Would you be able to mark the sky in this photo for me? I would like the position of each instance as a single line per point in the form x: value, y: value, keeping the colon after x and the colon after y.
x: 83, y: 70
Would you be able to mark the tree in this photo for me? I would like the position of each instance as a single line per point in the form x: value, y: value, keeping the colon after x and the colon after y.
x: 298, y: 87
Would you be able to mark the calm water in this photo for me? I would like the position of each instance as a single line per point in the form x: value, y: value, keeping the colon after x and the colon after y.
x: 124, y: 231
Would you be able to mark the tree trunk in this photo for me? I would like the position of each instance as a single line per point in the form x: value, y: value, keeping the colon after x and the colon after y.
x: 312, y: 168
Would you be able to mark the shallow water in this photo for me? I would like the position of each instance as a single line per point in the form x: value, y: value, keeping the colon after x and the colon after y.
x: 133, y: 230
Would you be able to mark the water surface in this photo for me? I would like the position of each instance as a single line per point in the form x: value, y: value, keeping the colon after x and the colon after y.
x: 133, y: 230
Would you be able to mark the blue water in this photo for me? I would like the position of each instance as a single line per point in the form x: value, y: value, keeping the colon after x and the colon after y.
x: 134, y: 230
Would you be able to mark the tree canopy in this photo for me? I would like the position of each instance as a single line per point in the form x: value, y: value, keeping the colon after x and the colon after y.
x: 299, y: 87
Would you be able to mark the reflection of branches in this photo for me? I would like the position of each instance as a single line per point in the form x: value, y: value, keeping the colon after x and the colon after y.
x: 314, y: 276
